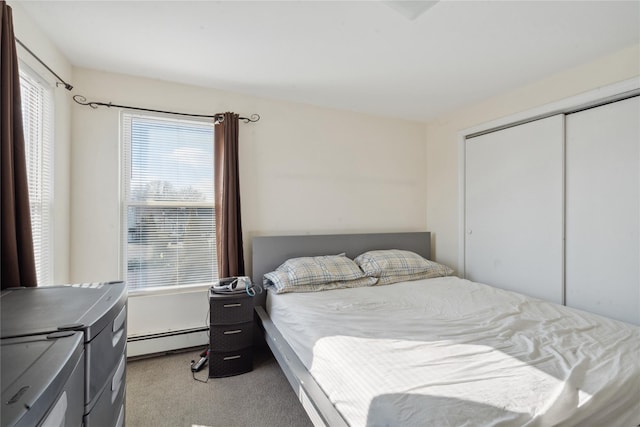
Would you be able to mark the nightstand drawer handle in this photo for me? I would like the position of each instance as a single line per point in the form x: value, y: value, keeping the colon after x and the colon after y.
x: 231, y: 357
x: 235, y: 331
x: 232, y: 305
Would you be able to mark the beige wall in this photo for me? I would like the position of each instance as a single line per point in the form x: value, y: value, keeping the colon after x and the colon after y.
x: 303, y: 169
x: 442, y: 136
x: 32, y: 37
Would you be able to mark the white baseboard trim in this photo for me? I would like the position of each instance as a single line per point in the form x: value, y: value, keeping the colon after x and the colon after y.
x: 161, y: 343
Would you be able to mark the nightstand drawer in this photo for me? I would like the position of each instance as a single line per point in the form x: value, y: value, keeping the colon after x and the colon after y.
x: 230, y: 363
x: 231, y: 337
x: 231, y: 310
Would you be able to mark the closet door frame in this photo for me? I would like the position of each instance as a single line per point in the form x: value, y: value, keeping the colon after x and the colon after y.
x: 611, y: 93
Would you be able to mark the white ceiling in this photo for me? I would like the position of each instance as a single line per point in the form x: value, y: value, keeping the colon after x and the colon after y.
x: 355, y: 55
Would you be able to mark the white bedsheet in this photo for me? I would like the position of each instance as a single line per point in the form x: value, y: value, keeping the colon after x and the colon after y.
x: 450, y: 352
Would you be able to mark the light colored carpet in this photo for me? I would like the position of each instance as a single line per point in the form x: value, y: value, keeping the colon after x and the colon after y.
x: 162, y: 392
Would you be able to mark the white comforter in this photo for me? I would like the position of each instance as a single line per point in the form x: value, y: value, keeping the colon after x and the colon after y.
x: 450, y: 352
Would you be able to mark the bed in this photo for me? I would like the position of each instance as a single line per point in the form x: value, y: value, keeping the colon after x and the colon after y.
x: 442, y: 351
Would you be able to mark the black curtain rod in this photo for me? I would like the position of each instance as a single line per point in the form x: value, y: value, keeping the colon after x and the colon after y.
x: 66, y: 85
x: 218, y: 117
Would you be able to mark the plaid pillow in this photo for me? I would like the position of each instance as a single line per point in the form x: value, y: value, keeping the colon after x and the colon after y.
x: 320, y: 269
x: 394, y: 265
x: 278, y: 282
x: 337, y: 271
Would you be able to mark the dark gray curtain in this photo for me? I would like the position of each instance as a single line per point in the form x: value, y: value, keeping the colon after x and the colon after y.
x: 227, y: 189
x: 18, y: 263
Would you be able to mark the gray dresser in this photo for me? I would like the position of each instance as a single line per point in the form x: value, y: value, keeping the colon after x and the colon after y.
x: 47, y: 318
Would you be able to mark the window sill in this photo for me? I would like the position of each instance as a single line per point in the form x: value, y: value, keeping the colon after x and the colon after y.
x: 168, y: 290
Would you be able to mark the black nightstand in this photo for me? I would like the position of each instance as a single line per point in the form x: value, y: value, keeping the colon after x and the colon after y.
x: 231, y: 334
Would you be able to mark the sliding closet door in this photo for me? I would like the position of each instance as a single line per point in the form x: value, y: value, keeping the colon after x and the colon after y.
x: 514, y: 208
x: 603, y: 210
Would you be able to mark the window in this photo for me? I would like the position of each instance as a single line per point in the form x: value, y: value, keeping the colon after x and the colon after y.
x: 168, y: 209
x: 37, y: 112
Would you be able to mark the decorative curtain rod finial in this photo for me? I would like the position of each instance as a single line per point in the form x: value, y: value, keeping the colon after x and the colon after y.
x: 83, y: 101
x: 251, y: 119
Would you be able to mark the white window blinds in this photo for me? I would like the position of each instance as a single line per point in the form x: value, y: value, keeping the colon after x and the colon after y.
x: 168, y: 210
x: 37, y: 111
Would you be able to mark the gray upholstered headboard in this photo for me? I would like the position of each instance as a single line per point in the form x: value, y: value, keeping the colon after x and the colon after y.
x: 271, y: 251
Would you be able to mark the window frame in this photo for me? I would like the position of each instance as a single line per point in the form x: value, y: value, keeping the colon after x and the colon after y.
x: 44, y: 200
x: 126, y: 117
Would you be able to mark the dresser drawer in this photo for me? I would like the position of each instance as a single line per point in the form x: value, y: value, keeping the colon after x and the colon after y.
x: 231, y: 337
x: 226, y: 364
x: 229, y: 310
